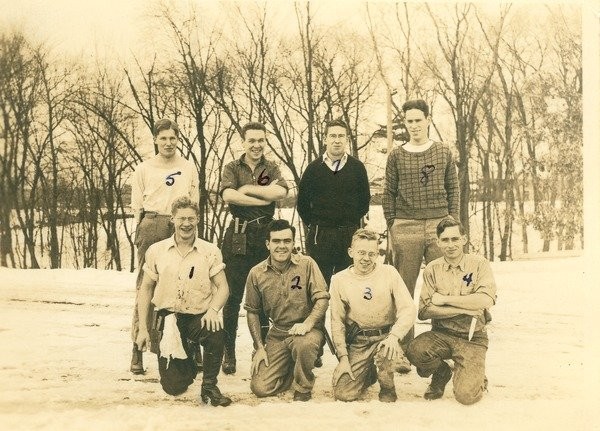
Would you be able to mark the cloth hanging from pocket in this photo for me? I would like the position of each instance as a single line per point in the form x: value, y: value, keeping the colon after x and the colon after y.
x: 171, y: 346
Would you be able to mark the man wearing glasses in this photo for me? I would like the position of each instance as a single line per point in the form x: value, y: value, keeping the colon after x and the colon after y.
x: 371, y: 311
x: 184, y: 279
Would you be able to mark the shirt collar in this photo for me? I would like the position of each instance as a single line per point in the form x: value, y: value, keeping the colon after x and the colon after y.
x: 461, y: 264
x: 171, y: 242
x: 328, y: 160
x: 242, y: 160
x: 295, y: 259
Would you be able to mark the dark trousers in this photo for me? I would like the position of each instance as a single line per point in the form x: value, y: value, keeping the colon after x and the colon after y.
x: 180, y: 373
x: 328, y: 246
x: 237, y: 268
x: 428, y: 350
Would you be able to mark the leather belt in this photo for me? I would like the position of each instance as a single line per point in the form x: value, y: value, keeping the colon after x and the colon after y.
x: 374, y: 332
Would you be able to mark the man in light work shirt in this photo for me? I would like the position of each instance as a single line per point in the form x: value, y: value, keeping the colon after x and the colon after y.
x: 184, y: 278
x: 250, y: 185
x: 421, y: 188
x: 457, y: 289
x: 333, y: 196
x: 291, y: 291
x: 371, y: 310
x: 156, y: 183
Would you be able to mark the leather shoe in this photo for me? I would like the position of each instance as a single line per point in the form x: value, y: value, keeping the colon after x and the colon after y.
x: 387, y: 395
x: 440, y: 379
x: 302, y: 396
x: 213, y: 394
x: 137, y: 364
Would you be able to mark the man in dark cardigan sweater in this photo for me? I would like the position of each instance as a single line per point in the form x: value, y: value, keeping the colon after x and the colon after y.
x: 333, y: 196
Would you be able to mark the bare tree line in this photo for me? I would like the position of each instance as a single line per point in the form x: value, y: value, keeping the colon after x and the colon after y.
x: 506, y: 98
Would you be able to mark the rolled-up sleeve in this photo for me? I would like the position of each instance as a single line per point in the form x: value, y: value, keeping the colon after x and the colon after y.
x: 338, y: 318
x: 216, y: 264
x: 427, y: 290
x: 485, y: 280
x: 253, y: 300
x: 228, y: 178
x: 405, y: 307
x: 276, y: 177
x: 150, y: 264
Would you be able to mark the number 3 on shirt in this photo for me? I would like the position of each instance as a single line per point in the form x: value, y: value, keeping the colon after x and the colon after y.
x: 367, y: 294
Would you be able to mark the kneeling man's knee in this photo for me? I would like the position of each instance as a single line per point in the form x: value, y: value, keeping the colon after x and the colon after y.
x: 467, y: 396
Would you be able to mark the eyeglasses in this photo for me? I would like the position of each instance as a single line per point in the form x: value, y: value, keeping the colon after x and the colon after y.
x: 188, y: 219
x: 362, y: 253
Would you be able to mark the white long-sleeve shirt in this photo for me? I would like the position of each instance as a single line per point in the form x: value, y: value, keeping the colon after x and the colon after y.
x: 154, y: 187
x: 373, y: 301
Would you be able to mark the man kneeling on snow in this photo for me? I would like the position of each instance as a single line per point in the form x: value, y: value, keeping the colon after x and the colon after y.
x: 183, y: 275
x: 457, y: 290
x: 371, y: 311
x: 291, y: 291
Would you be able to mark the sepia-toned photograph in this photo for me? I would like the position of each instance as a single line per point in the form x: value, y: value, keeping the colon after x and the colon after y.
x: 299, y: 215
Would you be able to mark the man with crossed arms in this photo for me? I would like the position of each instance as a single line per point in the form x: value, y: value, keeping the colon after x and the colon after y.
x: 457, y: 290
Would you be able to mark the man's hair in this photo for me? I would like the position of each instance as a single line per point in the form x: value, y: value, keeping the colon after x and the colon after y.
x: 279, y: 224
x: 448, y: 222
x: 165, y: 124
x: 336, y: 123
x: 365, y: 234
x: 184, y: 202
x: 253, y: 125
x: 419, y: 104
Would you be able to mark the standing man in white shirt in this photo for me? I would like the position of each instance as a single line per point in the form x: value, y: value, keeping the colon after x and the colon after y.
x: 371, y: 311
x: 157, y: 182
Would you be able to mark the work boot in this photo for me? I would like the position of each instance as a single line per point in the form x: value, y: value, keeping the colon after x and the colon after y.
x: 440, y: 378
x: 213, y: 394
x: 137, y: 365
x: 388, y: 395
x: 302, y: 396
x: 229, y: 363
x: 403, y: 366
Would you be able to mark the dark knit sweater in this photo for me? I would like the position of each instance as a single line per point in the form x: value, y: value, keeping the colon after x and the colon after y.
x: 420, y: 185
x: 334, y: 199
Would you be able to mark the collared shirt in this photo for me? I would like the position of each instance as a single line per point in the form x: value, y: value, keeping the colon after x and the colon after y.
x: 286, y: 297
x: 237, y: 174
x: 155, y: 188
x: 334, y: 165
x: 183, y: 282
x: 373, y: 301
x: 473, y: 274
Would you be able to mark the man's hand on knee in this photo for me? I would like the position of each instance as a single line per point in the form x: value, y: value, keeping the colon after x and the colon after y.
x: 259, y: 356
x: 342, y: 368
x: 390, y: 348
x: 300, y: 328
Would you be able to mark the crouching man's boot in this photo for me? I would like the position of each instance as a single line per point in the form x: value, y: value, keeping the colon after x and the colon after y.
x: 213, y: 394
x: 137, y: 365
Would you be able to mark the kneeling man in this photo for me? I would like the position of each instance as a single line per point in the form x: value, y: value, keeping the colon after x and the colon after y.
x: 291, y: 291
x: 458, y: 289
x: 371, y: 311
x: 183, y: 275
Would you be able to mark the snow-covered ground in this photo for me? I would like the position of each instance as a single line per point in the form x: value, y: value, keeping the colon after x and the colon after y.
x: 65, y: 356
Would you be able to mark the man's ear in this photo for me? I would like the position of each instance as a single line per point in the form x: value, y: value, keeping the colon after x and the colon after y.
x: 350, y: 253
